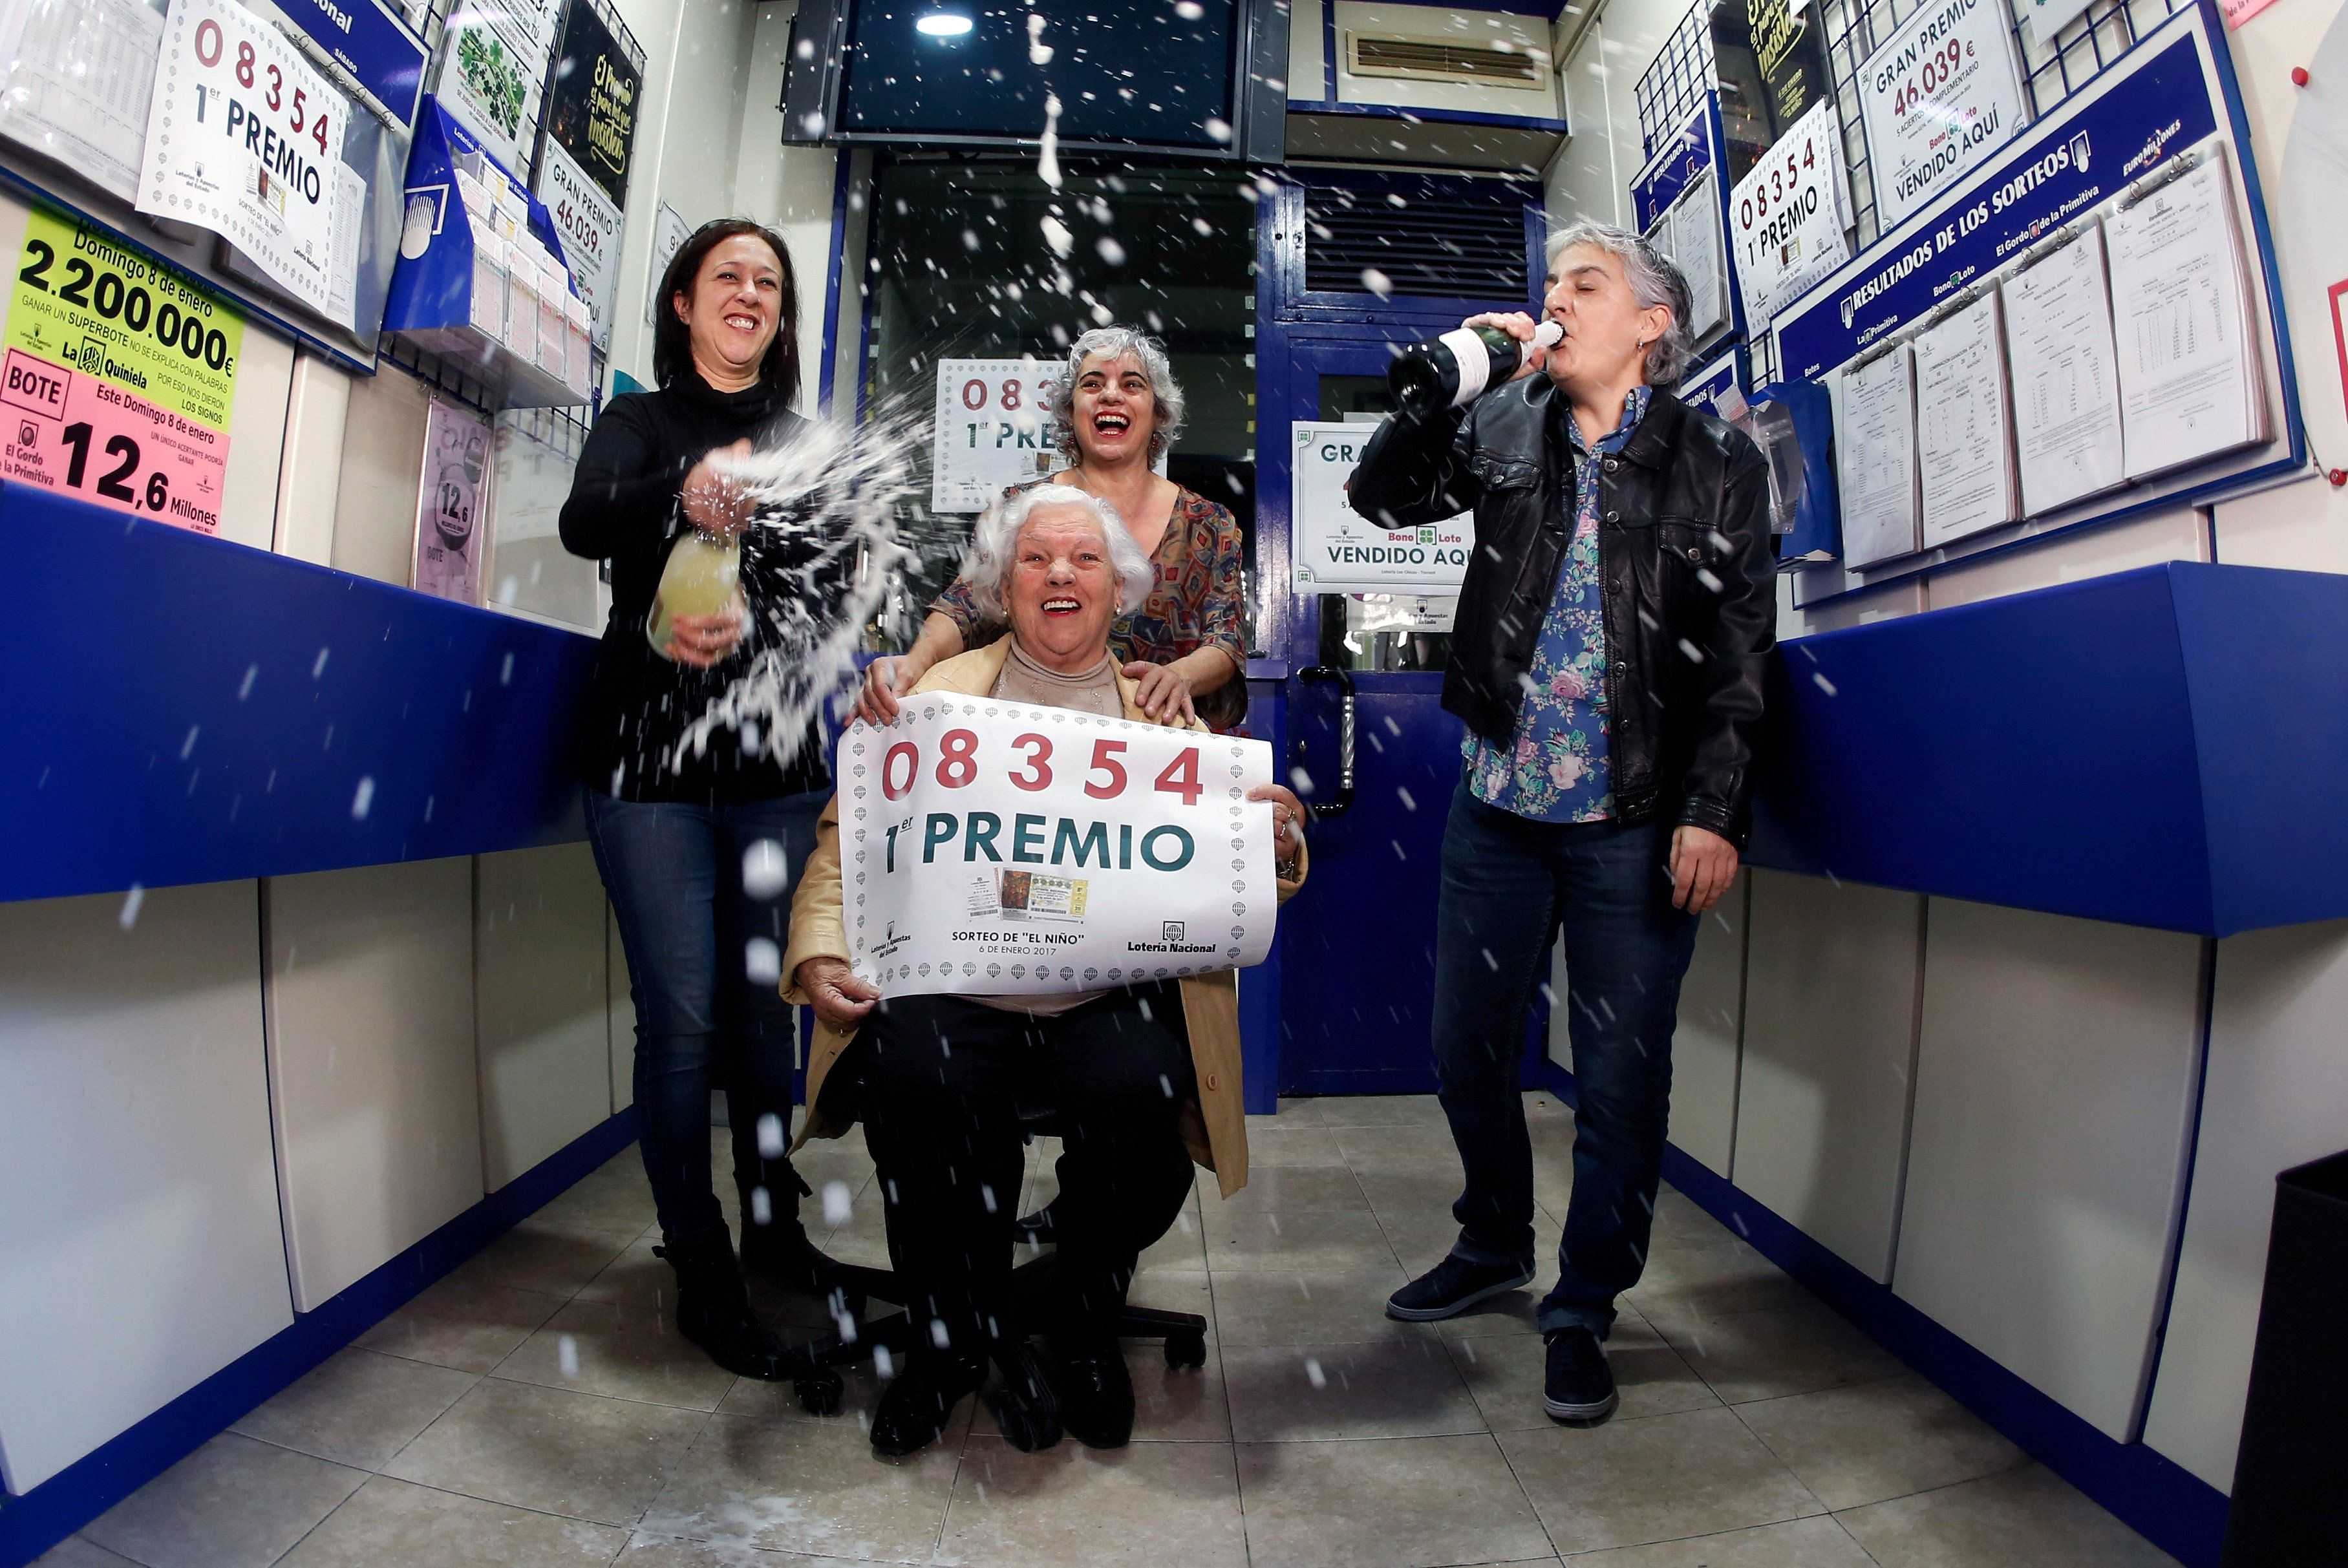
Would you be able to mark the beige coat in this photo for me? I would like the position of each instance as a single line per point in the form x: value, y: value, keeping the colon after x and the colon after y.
x: 1214, y: 1126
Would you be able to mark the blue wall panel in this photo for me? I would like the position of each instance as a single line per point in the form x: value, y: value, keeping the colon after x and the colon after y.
x: 178, y: 709
x: 2158, y: 747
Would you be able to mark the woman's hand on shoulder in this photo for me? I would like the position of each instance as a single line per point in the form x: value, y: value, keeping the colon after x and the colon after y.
x: 833, y: 990
x: 1161, y: 693
x: 713, y: 501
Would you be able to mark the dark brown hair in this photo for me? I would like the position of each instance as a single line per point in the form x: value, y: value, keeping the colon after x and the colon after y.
x: 672, y: 341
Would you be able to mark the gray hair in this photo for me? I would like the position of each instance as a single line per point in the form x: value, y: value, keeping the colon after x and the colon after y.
x: 1115, y: 344
x: 996, y: 539
x: 1654, y: 281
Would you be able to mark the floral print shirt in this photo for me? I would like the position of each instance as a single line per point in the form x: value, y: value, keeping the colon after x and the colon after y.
x: 1556, y: 767
x: 1194, y: 604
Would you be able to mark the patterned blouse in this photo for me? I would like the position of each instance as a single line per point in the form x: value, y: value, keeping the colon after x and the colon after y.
x: 1556, y: 767
x: 1194, y: 604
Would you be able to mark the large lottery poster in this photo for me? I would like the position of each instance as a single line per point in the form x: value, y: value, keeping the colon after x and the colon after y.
x: 591, y: 230
x: 244, y: 138
x: 1939, y: 94
x: 1338, y: 551
x: 992, y: 846
x: 118, y: 378
x: 1785, y: 218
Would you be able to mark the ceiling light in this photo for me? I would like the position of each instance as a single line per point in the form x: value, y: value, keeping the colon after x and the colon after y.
x: 943, y: 24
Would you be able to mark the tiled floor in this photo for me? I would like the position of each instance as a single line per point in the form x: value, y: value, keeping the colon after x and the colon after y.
x: 535, y: 1408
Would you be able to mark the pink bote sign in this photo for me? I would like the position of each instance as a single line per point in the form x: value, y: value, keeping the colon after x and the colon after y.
x: 97, y: 441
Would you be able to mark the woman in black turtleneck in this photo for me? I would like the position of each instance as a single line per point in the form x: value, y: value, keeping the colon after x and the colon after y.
x: 674, y: 827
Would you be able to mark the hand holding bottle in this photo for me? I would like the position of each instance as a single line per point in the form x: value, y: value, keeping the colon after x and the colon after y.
x: 713, y: 502
x: 1453, y: 370
x: 704, y: 641
x: 1534, y: 357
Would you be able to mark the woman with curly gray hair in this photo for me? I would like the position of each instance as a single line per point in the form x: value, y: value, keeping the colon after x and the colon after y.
x: 1120, y: 410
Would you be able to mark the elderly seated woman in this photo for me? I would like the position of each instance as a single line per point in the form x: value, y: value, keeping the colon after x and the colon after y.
x: 1146, y: 1077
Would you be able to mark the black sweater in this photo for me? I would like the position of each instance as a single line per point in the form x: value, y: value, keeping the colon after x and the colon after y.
x: 624, y: 509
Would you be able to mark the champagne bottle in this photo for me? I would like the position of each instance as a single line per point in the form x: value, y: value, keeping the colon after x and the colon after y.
x: 1458, y: 367
x: 702, y: 578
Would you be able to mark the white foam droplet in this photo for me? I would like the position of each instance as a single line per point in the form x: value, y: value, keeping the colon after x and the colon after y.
x: 1377, y: 283
x: 1313, y: 1374
x: 566, y: 1355
x: 838, y: 1204
x: 363, y: 800
x: 130, y: 903
x: 770, y: 1136
x: 762, y: 1207
x: 762, y: 960
x: 765, y: 869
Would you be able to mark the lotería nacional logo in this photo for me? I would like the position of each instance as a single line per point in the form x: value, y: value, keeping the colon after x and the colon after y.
x: 1172, y: 931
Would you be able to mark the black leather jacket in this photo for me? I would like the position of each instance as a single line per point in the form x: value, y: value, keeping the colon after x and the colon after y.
x: 1684, y: 557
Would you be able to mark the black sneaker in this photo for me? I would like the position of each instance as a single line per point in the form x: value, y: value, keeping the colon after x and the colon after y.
x: 918, y: 1405
x: 1096, y: 1392
x: 1579, y: 1389
x: 1454, y: 1286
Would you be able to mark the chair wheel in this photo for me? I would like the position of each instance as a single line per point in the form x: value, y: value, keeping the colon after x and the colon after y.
x: 1026, y: 1427
x: 821, y: 1393
x: 1186, y: 1349
x: 1024, y: 1407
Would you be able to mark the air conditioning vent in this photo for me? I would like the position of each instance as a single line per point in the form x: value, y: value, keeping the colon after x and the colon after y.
x: 1438, y: 60
x: 1448, y: 250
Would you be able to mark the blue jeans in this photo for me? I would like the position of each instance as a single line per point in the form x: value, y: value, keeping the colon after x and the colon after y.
x: 674, y: 875
x: 1509, y: 885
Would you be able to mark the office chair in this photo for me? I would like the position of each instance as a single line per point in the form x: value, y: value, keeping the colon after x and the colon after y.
x: 814, y: 1375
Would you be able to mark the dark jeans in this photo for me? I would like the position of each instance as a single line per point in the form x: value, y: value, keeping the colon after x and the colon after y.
x: 674, y: 875
x: 1509, y: 886
x: 945, y: 1080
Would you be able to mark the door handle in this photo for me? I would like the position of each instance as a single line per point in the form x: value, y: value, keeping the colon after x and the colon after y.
x: 1344, y: 678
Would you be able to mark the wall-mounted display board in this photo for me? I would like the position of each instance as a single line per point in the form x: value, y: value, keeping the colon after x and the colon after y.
x: 1681, y: 203
x: 172, y: 125
x: 2133, y: 210
x: 1942, y: 93
x: 1771, y: 60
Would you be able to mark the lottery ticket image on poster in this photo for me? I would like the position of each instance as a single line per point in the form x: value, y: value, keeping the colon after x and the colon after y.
x: 1037, y: 897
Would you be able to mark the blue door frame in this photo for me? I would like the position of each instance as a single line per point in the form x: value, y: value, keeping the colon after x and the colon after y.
x: 1355, y: 981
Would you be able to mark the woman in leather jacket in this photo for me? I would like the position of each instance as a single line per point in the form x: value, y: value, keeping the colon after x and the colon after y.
x: 1611, y: 632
